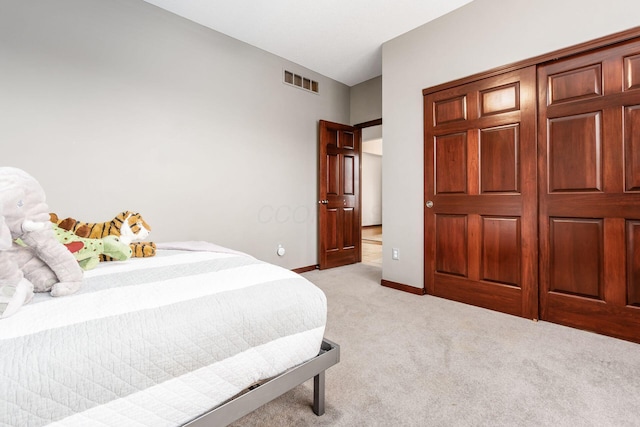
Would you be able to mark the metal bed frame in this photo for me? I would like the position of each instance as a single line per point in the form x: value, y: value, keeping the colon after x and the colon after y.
x: 242, y: 405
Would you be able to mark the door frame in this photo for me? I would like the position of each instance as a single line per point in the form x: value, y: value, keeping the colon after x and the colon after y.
x: 368, y: 124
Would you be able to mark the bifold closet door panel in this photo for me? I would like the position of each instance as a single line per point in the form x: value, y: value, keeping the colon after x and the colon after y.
x: 480, y: 193
x: 589, y: 191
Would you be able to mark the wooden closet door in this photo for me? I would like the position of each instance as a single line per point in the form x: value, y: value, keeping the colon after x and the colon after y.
x: 589, y: 169
x: 480, y: 193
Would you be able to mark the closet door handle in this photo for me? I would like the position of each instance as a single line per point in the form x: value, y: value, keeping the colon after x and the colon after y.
x: 429, y: 204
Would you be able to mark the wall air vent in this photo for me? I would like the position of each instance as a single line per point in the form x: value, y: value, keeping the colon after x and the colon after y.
x: 297, y: 80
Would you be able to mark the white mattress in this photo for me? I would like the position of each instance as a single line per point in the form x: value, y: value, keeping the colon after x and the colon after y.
x: 155, y: 341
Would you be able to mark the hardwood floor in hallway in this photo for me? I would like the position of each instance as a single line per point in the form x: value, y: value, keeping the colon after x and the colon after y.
x: 372, y: 245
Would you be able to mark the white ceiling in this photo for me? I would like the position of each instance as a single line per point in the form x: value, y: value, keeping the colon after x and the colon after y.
x: 340, y: 39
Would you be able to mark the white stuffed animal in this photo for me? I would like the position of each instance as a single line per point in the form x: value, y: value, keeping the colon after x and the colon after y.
x: 41, y: 258
x: 15, y: 290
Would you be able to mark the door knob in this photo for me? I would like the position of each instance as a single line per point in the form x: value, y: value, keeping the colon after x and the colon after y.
x: 323, y: 202
x: 429, y: 204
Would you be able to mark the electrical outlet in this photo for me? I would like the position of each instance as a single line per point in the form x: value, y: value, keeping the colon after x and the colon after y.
x: 395, y: 253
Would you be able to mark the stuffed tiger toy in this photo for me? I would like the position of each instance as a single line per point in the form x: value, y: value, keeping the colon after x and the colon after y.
x: 130, y: 226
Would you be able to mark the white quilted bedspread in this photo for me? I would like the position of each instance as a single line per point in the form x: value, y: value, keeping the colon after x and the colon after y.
x: 155, y: 341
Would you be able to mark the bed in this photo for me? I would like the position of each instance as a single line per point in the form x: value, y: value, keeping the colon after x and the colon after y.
x: 197, y: 335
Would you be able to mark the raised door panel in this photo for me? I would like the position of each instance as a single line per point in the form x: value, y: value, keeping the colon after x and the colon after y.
x: 332, y: 230
x: 348, y: 176
x: 451, y: 163
x: 576, y: 261
x: 347, y: 140
x: 499, y: 160
x: 632, y: 148
x: 572, y: 85
x: 451, y: 245
x: 450, y: 110
x: 574, y: 152
x: 633, y: 263
x: 500, y: 99
x: 501, y: 250
x: 348, y: 223
x: 632, y: 72
x: 333, y: 174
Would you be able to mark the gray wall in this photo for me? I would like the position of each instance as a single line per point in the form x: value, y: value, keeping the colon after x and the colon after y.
x: 481, y: 35
x: 118, y: 105
x: 366, y: 101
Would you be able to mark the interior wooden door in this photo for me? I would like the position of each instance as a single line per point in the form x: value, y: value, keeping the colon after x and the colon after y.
x: 339, y: 205
x: 480, y: 193
x: 589, y: 132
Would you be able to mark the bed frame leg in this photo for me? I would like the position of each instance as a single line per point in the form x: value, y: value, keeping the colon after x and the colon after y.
x: 318, y: 394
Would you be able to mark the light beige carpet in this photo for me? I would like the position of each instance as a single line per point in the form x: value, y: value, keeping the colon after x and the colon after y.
x: 408, y: 360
